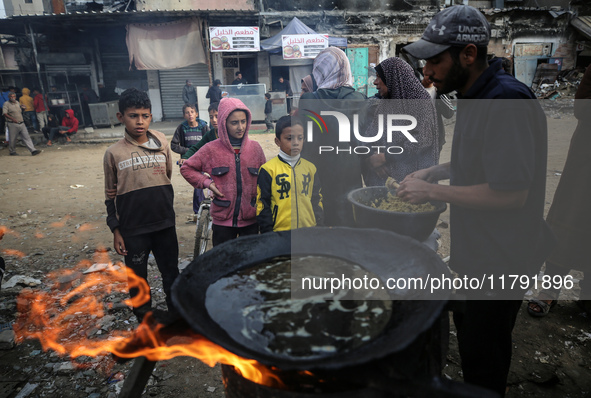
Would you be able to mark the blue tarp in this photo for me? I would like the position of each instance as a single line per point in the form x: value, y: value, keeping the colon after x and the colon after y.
x: 294, y: 27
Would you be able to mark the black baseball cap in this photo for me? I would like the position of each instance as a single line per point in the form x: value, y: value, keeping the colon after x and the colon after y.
x: 455, y: 26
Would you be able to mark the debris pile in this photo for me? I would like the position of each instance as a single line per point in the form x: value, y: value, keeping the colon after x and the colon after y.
x: 556, y: 85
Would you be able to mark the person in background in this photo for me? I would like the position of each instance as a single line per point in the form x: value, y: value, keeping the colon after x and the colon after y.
x: 215, y: 92
x: 285, y: 87
x: 16, y: 127
x: 340, y: 173
x: 233, y: 162
x: 307, y: 85
x: 187, y: 134
x: 496, y: 190
x: 443, y: 106
x: 268, y: 112
x: 570, y: 213
x: 139, y: 197
x: 190, y: 94
x: 52, y: 122
x: 239, y: 79
x: 40, y: 109
x: 3, y: 99
x: 288, y: 188
x: 29, y: 108
x: 211, y: 135
x: 401, y: 94
x: 68, y: 128
x: 106, y: 94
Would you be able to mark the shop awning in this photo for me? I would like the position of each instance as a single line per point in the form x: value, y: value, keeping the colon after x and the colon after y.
x: 583, y: 25
x: 294, y: 27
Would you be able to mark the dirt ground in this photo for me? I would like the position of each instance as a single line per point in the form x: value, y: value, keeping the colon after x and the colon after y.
x: 47, y: 198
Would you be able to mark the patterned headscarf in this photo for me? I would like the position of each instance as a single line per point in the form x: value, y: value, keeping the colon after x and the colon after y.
x: 400, y: 80
x: 332, y: 69
x: 406, y: 96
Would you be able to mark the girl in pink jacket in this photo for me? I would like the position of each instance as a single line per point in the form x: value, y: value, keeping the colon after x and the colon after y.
x: 233, y: 162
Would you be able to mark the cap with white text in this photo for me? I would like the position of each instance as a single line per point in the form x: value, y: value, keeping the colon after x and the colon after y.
x: 455, y: 26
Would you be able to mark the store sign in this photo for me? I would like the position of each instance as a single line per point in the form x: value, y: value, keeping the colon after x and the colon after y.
x: 237, y: 39
x: 303, y: 46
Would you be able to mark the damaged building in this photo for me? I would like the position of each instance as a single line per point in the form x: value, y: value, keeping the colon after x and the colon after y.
x: 76, y: 44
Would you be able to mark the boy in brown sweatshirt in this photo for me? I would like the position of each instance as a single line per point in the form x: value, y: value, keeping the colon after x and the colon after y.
x: 139, y: 196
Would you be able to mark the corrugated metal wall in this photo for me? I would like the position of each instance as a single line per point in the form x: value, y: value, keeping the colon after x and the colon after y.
x: 70, y: 70
x: 171, y: 87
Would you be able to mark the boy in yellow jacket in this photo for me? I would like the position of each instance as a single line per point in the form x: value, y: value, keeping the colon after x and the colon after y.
x: 288, y: 188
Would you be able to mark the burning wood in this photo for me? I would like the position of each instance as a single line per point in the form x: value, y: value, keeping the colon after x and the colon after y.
x: 72, y: 304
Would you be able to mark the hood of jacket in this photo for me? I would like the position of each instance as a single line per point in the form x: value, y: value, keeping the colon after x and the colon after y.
x: 226, y: 107
x: 69, y: 112
x: 26, y: 91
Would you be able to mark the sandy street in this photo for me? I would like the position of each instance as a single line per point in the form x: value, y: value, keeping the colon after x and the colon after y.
x: 54, y: 205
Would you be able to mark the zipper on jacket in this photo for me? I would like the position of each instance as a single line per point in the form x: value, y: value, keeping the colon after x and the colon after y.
x: 238, y: 191
x: 295, y: 194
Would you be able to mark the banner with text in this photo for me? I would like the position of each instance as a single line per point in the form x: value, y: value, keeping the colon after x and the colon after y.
x: 237, y: 39
x: 303, y: 46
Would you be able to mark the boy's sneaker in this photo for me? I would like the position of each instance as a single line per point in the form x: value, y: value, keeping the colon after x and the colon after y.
x: 36, y: 152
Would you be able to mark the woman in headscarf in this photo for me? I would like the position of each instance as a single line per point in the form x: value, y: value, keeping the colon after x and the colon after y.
x: 402, y: 94
x: 339, y: 171
x: 307, y: 85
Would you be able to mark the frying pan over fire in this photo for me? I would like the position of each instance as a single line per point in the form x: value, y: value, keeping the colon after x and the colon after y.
x: 383, y: 253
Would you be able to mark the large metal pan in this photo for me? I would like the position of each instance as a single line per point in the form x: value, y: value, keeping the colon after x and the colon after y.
x: 374, y: 249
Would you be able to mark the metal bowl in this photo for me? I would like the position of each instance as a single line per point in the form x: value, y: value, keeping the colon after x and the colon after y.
x: 416, y: 225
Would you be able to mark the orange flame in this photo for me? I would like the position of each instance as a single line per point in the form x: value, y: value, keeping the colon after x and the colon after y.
x: 5, y: 230
x: 86, y: 227
x: 60, y: 224
x: 72, y: 305
x: 14, y: 253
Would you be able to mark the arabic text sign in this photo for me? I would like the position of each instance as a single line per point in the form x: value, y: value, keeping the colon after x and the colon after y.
x: 236, y: 38
x: 303, y: 46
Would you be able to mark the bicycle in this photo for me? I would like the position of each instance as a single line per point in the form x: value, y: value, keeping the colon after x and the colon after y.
x: 203, y: 228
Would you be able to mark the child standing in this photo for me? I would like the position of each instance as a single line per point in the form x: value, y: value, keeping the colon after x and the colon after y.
x: 288, y: 192
x: 211, y: 135
x: 233, y: 162
x: 187, y: 134
x: 268, y: 111
x: 141, y: 215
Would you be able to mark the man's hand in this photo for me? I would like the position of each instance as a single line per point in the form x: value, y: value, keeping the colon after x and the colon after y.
x: 119, y: 243
x: 215, y: 190
x: 414, y: 190
x: 421, y: 175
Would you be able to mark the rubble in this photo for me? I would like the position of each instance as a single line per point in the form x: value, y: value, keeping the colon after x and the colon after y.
x: 7, y: 339
x: 562, y: 85
x: 20, y: 280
